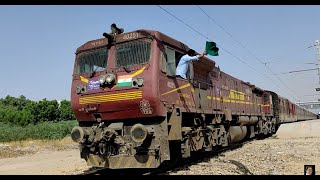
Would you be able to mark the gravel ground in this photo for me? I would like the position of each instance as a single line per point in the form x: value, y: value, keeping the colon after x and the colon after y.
x: 286, y: 153
x: 264, y: 157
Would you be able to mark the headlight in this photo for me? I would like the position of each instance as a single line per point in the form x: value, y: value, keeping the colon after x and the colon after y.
x: 77, y: 134
x: 78, y: 90
x: 84, y: 89
x: 81, y: 89
x: 140, y: 81
x: 110, y: 78
x: 137, y: 82
x: 102, y: 80
x: 138, y: 133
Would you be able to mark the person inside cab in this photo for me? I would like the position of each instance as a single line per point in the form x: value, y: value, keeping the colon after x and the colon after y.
x: 182, y: 68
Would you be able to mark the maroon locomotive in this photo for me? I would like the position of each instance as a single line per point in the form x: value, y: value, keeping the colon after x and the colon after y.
x: 134, y: 113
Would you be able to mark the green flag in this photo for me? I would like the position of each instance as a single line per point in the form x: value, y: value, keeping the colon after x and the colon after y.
x: 212, y: 48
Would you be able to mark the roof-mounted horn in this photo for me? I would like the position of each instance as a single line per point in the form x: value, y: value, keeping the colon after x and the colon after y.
x: 114, y: 32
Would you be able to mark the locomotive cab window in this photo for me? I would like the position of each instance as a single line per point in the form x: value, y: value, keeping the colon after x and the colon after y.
x: 132, y: 53
x: 173, y: 58
x: 95, y: 60
x: 178, y: 56
x: 171, y: 63
x: 163, y: 62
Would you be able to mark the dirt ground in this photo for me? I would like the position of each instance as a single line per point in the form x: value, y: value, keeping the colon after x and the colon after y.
x: 41, y: 158
x: 294, y: 145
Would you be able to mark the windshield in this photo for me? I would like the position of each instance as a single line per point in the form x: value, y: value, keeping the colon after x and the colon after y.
x: 133, y: 52
x: 94, y: 60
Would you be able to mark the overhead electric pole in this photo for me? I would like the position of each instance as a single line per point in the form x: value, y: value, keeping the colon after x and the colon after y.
x: 318, y: 57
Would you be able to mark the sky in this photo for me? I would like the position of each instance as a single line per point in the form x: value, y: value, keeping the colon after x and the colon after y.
x: 38, y: 43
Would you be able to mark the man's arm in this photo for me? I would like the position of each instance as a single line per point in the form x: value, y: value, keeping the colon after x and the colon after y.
x: 203, y: 54
x: 195, y: 58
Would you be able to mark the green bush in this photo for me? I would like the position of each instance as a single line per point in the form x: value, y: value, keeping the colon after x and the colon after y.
x: 21, y: 111
x: 44, y: 130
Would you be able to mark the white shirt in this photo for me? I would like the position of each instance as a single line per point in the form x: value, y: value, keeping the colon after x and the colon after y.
x: 182, y: 67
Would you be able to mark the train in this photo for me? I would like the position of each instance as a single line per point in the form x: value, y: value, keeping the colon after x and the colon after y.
x: 133, y: 112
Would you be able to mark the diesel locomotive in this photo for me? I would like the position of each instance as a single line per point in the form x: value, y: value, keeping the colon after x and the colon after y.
x: 134, y: 113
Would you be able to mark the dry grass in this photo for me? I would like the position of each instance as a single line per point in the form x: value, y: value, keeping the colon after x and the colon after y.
x: 57, y: 144
x: 27, y: 147
x: 7, y: 152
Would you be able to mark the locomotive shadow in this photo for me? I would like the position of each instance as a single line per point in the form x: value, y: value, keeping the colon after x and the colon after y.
x: 197, y: 158
x: 205, y: 157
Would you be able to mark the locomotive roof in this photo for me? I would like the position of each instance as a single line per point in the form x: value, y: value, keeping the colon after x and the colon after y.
x: 158, y: 36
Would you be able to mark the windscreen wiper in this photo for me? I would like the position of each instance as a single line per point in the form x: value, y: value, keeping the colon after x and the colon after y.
x: 94, y: 72
x: 127, y: 70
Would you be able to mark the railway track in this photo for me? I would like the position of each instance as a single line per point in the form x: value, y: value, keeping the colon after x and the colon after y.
x: 166, y: 168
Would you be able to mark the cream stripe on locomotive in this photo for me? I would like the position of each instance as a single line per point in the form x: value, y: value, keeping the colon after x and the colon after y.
x: 111, y: 97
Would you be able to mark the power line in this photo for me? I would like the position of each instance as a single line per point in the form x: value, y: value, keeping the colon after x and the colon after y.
x: 184, y: 23
x: 248, y: 51
x: 240, y: 42
x: 312, y: 63
x: 312, y: 95
x: 223, y: 49
x: 228, y: 33
x: 209, y: 39
x: 281, y: 80
x: 293, y: 52
x: 300, y: 71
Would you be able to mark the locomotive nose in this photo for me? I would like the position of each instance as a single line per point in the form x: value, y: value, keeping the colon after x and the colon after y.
x: 77, y: 134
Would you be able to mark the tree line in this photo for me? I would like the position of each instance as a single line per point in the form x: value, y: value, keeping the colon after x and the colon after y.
x: 22, y: 111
